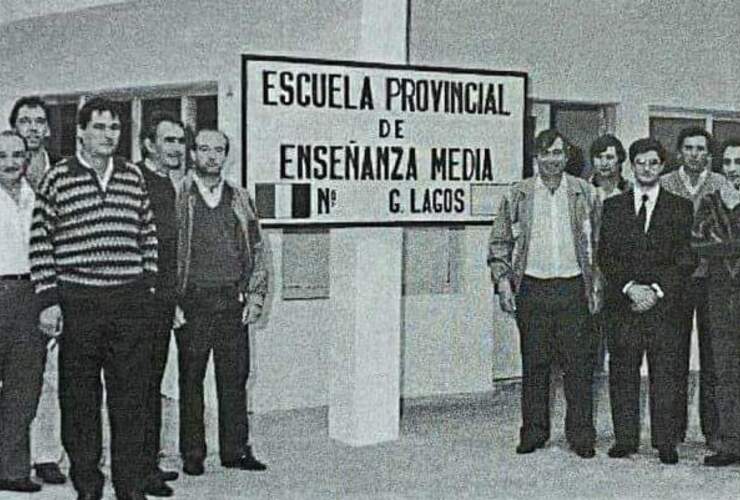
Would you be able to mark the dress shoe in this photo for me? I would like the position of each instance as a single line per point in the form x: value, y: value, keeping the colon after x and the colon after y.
x: 167, y: 475
x: 89, y: 495
x: 156, y: 487
x: 23, y: 485
x: 130, y: 495
x: 529, y: 446
x: 621, y: 451
x: 668, y: 455
x: 721, y: 460
x: 584, y: 451
x: 49, y: 473
x: 193, y: 467
x: 245, y: 462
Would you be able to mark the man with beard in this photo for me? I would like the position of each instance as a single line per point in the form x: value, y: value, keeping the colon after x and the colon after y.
x: 163, y: 145
x: 693, y: 180
x: 541, y: 255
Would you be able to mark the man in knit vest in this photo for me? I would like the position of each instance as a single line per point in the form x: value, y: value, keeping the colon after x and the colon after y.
x: 692, y: 180
x: 94, y: 264
x: 163, y: 145
x: 222, y: 279
x: 30, y: 118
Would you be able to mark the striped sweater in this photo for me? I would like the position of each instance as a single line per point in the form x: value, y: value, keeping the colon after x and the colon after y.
x: 83, y: 237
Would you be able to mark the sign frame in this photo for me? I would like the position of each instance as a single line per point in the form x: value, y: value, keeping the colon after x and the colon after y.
x: 280, y: 223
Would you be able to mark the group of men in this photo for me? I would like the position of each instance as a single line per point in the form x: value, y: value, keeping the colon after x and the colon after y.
x: 573, y: 259
x: 102, y: 258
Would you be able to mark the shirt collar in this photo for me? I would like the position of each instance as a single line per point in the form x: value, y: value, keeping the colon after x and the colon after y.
x: 211, y: 195
x: 540, y: 185
x: 106, y: 175
x: 651, y: 192
x: 26, y: 195
x: 687, y: 182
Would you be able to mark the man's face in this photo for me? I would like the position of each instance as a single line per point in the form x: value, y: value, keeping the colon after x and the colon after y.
x: 33, y: 125
x: 168, y: 148
x: 606, y: 164
x: 100, y: 137
x: 695, y: 153
x: 731, y: 165
x: 13, y: 158
x: 210, y: 152
x: 648, y: 167
x: 551, y: 161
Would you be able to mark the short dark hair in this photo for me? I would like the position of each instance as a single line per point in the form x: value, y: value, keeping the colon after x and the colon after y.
x: 14, y: 133
x: 694, y: 132
x: 603, y: 143
x: 29, y: 102
x: 645, y: 145
x: 194, y: 145
x: 99, y: 104
x: 149, y: 130
x: 545, y: 139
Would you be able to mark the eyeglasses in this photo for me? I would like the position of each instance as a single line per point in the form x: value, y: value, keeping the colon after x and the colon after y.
x: 648, y: 163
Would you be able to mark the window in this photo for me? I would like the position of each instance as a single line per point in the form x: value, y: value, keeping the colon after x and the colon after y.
x: 667, y: 123
x: 195, y: 104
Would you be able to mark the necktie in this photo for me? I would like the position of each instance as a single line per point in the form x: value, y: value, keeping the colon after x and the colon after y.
x: 642, y: 214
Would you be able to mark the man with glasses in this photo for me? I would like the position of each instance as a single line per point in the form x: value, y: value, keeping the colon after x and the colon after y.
x: 693, y: 180
x: 643, y: 250
x: 541, y: 256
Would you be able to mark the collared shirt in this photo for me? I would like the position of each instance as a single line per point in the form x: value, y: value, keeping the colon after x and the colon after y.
x: 105, y: 179
x: 15, y: 228
x: 211, y: 195
x: 552, y: 251
x: 691, y: 188
x: 149, y: 164
x: 652, y: 194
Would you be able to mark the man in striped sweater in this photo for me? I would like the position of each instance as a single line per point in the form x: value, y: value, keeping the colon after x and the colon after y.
x: 93, y: 263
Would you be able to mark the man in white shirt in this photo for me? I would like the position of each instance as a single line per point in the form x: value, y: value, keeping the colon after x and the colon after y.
x: 30, y: 118
x: 541, y: 253
x: 644, y: 251
x: 22, y: 346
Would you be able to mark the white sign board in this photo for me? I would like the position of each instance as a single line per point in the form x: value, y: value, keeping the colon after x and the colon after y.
x: 358, y: 143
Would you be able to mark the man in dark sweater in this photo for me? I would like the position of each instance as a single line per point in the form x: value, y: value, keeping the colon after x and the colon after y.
x: 222, y: 279
x: 163, y: 145
x: 93, y: 264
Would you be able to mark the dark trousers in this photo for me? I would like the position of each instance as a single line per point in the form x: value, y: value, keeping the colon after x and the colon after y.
x: 22, y: 358
x: 161, y: 316
x: 104, y: 330
x: 553, y: 320
x: 695, y: 299
x: 213, y: 323
x: 653, y: 332
x: 724, y: 317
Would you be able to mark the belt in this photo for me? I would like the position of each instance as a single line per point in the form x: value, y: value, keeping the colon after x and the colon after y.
x: 15, y: 277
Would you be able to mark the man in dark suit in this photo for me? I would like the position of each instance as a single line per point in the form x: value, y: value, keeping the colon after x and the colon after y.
x: 645, y: 254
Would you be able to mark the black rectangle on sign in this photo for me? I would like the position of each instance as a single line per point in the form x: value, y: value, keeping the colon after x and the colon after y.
x: 264, y: 194
x: 301, y: 201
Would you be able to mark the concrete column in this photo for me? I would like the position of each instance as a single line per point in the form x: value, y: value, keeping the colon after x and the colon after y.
x: 364, y: 391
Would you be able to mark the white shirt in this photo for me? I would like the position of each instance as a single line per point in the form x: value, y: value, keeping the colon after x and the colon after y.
x: 105, y: 179
x: 652, y: 194
x: 211, y: 195
x: 691, y: 188
x: 15, y: 228
x: 552, y: 252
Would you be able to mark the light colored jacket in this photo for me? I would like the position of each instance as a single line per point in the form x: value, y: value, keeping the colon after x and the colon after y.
x: 253, y: 281
x: 508, y: 244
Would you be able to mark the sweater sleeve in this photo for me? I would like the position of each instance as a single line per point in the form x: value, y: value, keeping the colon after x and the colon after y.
x: 43, y: 227
x: 148, y: 239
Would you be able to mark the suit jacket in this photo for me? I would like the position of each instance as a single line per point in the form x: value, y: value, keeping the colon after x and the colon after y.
x: 508, y: 243
x: 662, y: 255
